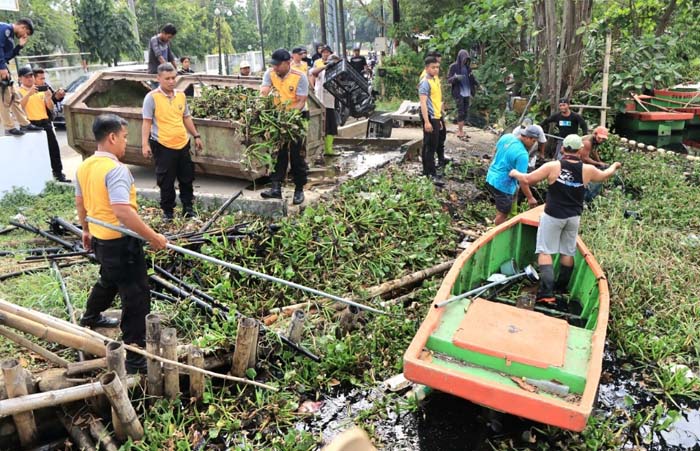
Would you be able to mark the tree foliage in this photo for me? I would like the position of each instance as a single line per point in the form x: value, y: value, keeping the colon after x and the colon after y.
x: 294, y: 26
x: 275, y: 24
x: 105, y: 29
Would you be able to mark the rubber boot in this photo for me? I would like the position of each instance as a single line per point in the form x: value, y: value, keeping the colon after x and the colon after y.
x: 564, y: 277
x: 275, y: 192
x: 328, y: 146
x: 298, y: 196
x: 545, y: 293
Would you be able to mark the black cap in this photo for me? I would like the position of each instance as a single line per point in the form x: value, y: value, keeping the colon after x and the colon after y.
x: 280, y: 56
x: 297, y: 50
x: 25, y: 70
x: 564, y: 100
x: 28, y: 22
x: 326, y: 48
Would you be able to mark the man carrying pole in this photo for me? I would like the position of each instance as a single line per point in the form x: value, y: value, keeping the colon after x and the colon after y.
x: 291, y: 88
x: 105, y: 190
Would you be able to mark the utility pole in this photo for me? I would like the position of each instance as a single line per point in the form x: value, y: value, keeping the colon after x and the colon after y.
x: 341, y: 14
x: 322, y: 13
x: 258, y: 14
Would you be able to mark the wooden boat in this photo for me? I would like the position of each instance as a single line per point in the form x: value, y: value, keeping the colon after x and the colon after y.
x: 481, y: 350
x: 663, y: 123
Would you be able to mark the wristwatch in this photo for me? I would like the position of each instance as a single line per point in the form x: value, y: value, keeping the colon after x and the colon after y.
x: 197, y: 136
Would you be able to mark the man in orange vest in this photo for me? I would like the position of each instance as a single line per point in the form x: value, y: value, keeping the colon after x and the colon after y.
x: 104, y: 189
x: 166, y: 121
x: 290, y: 88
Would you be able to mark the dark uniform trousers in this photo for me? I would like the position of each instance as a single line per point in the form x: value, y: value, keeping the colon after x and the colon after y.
x: 170, y: 165
x: 440, y: 151
x: 291, y: 153
x: 123, y: 271
x: 54, y: 148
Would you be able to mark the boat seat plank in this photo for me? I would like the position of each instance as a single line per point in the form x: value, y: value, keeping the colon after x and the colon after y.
x: 518, y: 335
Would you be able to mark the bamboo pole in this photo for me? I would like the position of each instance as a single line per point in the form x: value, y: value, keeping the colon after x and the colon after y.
x: 116, y: 356
x: 385, y: 287
x: 66, y: 300
x: 296, y: 327
x: 135, y: 349
x: 606, y: 71
x: 16, y: 387
x: 195, y: 357
x: 116, y: 393
x: 43, y: 318
x: 246, y: 335
x: 75, y: 368
x: 154, y: 379
x: 409, y: 279
x: 37, y: 401
x: 100, y: 434
x: 253, y: 356
x: 52, y: 335
x: 35, y: 348
x: 82, y: 440
x: 171, y: 375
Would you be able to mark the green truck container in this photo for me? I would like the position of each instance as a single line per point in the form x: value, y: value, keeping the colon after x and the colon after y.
x: 122, y: 93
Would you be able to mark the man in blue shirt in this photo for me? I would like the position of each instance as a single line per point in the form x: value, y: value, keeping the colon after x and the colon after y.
x: 9, y: 103
x: 511, y: 153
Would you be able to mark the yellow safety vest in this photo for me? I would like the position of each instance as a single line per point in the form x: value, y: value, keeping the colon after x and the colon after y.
x: 169, y: 116
x: 91, y: 177
x: 36, y: 107
x: 286, y: 87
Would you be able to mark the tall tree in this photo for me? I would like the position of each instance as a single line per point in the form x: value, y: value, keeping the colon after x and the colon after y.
x: 105, y: 28
x: 294, y: 26
x: 560, y: 45
x: 275, y: 24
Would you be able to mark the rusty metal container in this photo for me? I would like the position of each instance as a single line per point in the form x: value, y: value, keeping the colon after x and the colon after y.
x: 122, y: 93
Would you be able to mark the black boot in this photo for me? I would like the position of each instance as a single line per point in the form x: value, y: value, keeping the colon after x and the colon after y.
x: 99, y: 320
x: 31, y: 128
x: 188, y: 212
x: 562, y: 284
x: 168, y: 216
x: 61, y: 177
x: 14, y: 132
x: 275, y: 192
x: 135, y: 363
x: 298, y: 196
x: 545, y: 292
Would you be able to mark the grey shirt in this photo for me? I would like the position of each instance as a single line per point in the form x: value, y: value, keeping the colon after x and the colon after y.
x: 157, y: 48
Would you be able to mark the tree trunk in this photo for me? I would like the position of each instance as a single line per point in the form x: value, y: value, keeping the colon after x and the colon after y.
x: 666, y: 18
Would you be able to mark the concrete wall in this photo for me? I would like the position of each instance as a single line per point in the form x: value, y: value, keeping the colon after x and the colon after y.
x: 254, y: 58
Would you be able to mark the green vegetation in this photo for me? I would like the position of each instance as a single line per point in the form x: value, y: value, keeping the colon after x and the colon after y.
x: 381, y: 227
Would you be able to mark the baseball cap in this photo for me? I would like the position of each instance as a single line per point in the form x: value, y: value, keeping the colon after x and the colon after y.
x: 564, y: 100
x: 601, y: 131
x: 326, y: 48
x: 541, y: 138
x: 28, y: 23
x: 243, y: 64
x: 572, y: 142
x: 279, y: 56
x: 297, y: 50
x: 24, y: 71
x: 531, y: 131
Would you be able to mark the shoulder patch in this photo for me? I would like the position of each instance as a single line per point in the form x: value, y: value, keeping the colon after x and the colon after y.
x: 8, y: 33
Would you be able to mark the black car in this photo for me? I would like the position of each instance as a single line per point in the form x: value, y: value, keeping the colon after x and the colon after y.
x: 59, y: 120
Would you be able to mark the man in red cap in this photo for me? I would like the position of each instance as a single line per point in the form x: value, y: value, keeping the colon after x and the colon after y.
x: 589, y: 151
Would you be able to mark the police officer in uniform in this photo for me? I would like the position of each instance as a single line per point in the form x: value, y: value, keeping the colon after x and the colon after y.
x: 104, y: 189
x: 290, y: 88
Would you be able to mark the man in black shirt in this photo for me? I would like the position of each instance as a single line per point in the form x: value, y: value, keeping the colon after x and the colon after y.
x: 357, y: 61
x: 559, y: 224
x: 567, y: 123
